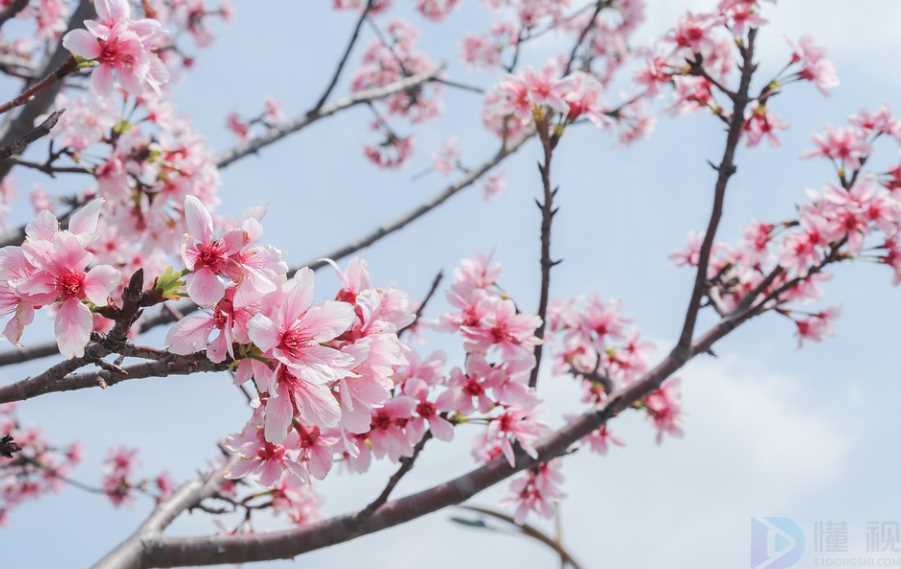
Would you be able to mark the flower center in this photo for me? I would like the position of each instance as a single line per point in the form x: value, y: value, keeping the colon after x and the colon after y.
x: 70, y: 284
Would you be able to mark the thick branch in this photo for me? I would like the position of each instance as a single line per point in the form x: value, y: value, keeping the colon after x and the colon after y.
x: 725, y: 170
x: 58, y: 379
x: 216, y: 549
x: 130, y: 552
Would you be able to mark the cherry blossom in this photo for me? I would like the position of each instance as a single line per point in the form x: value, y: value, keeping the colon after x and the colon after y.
x: 123, y: 48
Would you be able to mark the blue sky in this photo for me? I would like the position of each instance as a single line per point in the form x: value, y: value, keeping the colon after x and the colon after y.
x: 769, y: 429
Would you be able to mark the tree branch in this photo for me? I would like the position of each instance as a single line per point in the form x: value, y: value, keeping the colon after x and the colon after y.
x: 257, y: 143
x: 528, y: 531
x: 130, y: 552
x: 58, y: 378
x: 425, y: 301
x: 725, y: 170
x: 68, y: 67
x: 216, y: 549
x: 406, y: 465
x: 355, y: 34
x: 548, y: 211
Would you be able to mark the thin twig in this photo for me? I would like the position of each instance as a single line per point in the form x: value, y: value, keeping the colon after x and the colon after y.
x: 355, y: 34
x: 421, y: 308
x: 273, y: 135
x: 528, y: 531
x: 68, y: 67
x: 406, y: 465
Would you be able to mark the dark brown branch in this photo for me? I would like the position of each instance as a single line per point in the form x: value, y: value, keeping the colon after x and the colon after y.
x: 68, y: 67
x: 27, y: 354
x: 459, y: 85
x: 725, y: 170
x: 59, y: 377
x: 355, y: 34
x: 425, y: 301
x: 49, y: 169
x: 548, y: 142
x: 574, y: 52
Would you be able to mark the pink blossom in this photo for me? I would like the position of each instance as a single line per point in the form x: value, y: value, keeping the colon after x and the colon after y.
x: 816, y: 326
x: 516, y: 424
x: 122, y: 47
x: 53, y: 270
x: 761, y: 124
x: 537, y: 490
x: 503, y: 328
x: 814, y: 65
x: 601, y: 439
x: 231, y: 255
x: 845, y: 146
x: 388, y: 435
x: 447, y: 159
x: 494, y: 186
x: 665, y: 409
x: 269, y: 460
x: 436, y: 10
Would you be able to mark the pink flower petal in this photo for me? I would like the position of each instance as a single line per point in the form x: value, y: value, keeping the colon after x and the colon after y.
x: 74, y: 323
x: 190, y: 334
x: 100, y: 282
x: 205, y: 288
x: 325, y: 322
x: 84, y: 221
x: 317, y: 405
x: 198, y: 219
x: 102, y: 80
x: 298, y: 296
x: 82, y: 43
x: 279, y: 413
x: 262, y: 332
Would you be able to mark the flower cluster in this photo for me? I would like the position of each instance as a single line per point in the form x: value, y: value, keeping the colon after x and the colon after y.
x: 697, y: 57
x: 29, y: 464
x: 54, y: 268
x: 269, y: 118
x: 123, y: 48
x: 597, y: 346
x: 386, y: 62
x: 517, y: 102
x: 857, y: 218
